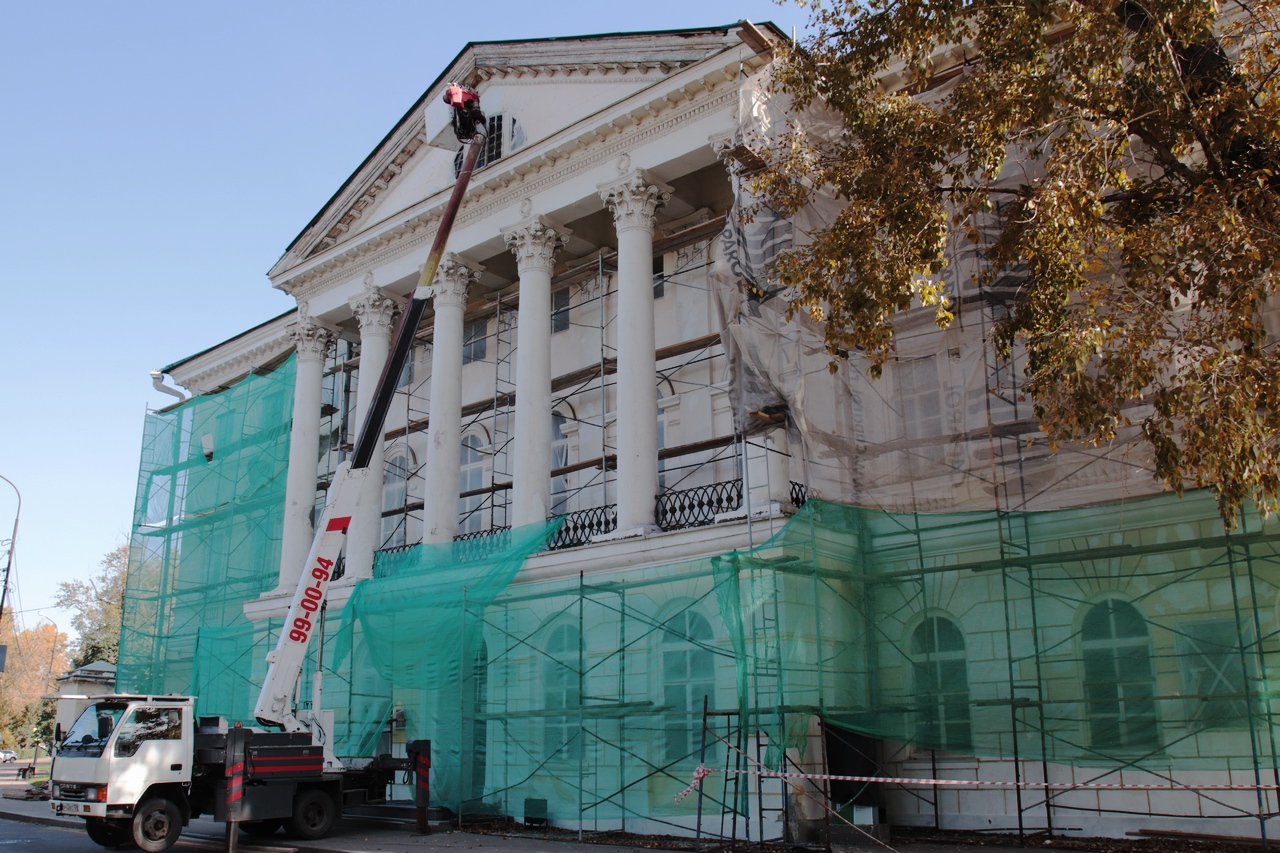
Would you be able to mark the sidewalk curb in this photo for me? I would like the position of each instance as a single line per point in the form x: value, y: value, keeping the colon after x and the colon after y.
x: 19, y: 817
x: 73, y: 823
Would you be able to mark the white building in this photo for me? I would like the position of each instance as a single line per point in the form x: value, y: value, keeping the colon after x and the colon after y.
x: 604, y: 346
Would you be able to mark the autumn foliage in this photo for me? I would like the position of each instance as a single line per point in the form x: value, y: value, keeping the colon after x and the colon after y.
x: 1120, y: 160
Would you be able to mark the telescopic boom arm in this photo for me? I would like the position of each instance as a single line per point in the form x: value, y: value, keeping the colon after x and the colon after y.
x: 275, y: 702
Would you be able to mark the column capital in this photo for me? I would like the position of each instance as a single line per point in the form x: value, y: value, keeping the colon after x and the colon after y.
x: 634, y: 198
x: 311, y: 338
x: 534, y: 242
x: 374, y: 308
x: 453, y: 278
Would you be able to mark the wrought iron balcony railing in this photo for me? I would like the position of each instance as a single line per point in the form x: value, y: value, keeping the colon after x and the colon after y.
x: 580, y: 526
x: 799, y: 494
x: 482, y: 543
x: 698, y: 506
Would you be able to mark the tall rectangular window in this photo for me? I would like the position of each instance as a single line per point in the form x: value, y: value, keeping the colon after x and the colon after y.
x: 659, y: 277
x: 920, y: 396
x: 560, y: 310
x: 1213, y: 673
x: 474, y: 340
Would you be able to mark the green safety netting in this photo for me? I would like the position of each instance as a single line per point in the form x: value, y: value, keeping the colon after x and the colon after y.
x: 408, y: 637
x: 1123, y: 636
x: 206, y: 539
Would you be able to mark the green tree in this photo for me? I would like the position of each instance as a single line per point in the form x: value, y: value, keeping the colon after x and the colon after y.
x: 1118, y: 159
x: 97, y: 604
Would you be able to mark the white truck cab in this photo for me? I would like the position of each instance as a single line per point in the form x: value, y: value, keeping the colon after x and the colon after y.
x: 125, y: 766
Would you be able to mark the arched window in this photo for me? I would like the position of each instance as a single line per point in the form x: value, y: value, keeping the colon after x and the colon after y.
x: 395, y: 493
x: 1119, y: 686
x: 688, y: 675
x: 559, y: 459
x: 561, y: 736
x: 940, y: 684
x: 470, y: 478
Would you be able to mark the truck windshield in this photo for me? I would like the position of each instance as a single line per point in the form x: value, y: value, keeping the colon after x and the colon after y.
x: 92, y: 729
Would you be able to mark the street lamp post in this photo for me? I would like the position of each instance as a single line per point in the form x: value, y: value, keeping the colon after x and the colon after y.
x: 13, y: 543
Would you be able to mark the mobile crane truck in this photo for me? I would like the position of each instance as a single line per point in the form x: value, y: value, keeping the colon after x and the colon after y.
x: 138, y: 768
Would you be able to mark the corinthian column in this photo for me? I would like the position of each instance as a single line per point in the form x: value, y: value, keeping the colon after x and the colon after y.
x: 311, y: 340
x: 444, y: 451
x: 534, y: 243
x: 633, y: 199
x: 376, y: 312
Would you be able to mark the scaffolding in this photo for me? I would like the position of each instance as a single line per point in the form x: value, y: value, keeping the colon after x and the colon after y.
x: 964, y: 608
x: 1131, y: 643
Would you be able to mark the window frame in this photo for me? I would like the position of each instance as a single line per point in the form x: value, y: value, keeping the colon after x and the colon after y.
x: 682, y: 649
x: 937, y: 710
x: 560, y: 304
x: 470, y: 518
x: 561, y: 689
x: 1114, y: 653
x: 475, y: 341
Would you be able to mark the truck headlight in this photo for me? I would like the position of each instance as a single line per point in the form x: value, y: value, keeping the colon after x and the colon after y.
x: 57, y: 791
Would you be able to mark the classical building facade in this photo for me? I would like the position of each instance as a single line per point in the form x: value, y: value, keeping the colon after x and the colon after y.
x: 605, y: 355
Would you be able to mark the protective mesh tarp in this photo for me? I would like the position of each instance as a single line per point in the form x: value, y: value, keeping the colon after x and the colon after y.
x: 946, y: 425
x: 206, y: 539
x: 409, y: 639
x: 1133, y: 636
x: 1117, y: 637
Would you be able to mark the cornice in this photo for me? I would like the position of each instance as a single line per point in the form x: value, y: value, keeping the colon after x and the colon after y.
x: 559, y: 161
x: 223, y: 372
x: 603, y: 72
x: 370, y: 195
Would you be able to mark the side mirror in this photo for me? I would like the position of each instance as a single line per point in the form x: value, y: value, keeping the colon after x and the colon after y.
x: 57, y: 733
x: 104, y: 728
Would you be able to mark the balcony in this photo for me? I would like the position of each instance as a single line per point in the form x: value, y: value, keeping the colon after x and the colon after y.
x: 580, y: 526
x: 699, y: 506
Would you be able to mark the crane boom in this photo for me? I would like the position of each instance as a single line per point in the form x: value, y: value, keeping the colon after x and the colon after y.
x: 275, y: 701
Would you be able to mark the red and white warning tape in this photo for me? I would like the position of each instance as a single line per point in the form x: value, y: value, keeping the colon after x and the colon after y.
x: 916, y: 782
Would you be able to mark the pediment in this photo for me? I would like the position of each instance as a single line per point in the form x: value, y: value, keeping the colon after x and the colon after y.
x: 544, y: 85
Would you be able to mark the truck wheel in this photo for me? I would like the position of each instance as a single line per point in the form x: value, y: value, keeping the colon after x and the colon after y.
x: 313, y: 815
x: 261, y: 828
x: 108, y: 833
x: 157, y: 823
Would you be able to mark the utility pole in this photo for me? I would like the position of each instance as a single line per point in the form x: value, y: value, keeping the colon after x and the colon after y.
x: 8, y: 565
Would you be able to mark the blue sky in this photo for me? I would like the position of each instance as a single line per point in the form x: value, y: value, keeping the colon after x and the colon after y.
x: 157, y: 160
